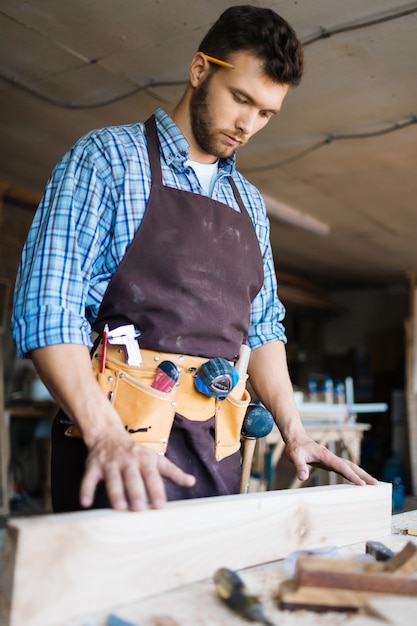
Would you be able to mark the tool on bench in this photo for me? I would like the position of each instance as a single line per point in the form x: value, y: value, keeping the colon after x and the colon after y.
x: 258, y: 423
x: 232, y: 590
x: 115, y: 620
x: 348, y: 584
x: 379, y: 550
x: 406, y: 531
x: 157, y: 620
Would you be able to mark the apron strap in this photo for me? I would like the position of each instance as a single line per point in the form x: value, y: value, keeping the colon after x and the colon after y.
x: 238, y: 197
x: 153, y: 150
x: 155, y: 162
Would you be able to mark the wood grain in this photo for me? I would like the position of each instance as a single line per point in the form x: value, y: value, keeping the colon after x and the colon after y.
x: 66, y: 565
x: 387, y: 612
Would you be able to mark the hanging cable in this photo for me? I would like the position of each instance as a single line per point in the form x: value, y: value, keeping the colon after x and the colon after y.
x: 328, y: 140
x: 94, y: 105
x: 324, y: 33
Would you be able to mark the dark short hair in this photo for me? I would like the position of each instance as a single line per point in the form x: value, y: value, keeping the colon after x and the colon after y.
x: 262, y: 32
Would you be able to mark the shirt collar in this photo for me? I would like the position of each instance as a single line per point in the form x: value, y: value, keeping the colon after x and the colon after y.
x: 175, y: 147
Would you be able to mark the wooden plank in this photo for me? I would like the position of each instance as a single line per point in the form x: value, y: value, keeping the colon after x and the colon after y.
x: 379, y: 582
x: 395, y: 611
x: 72, y: 564
x: 387, y: 612
x: 364, y: 620
x: 317, y: 598
x: 348, y: 583
x: 404, y: 563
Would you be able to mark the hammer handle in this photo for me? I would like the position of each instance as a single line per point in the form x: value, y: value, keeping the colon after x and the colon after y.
x: 243, y: 361
x: 248, y: 452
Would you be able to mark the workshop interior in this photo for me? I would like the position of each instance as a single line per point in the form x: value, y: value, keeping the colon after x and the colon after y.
x: 336, y: 168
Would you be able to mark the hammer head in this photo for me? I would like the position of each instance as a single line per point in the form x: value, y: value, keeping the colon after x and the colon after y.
x: 258, y: 422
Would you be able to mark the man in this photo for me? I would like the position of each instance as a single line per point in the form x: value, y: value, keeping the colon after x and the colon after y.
x: 193, y: 274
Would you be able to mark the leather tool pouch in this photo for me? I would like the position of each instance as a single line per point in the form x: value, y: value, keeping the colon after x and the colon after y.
x: 229, y: 418
x: 148, y: 413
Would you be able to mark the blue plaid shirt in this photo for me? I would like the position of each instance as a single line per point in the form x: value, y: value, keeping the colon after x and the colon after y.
x: 92, y: 206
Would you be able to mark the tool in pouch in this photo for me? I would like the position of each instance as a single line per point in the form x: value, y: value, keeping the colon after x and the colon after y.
x: 166, y: 376
x: 232, y: 590
x: 217, y: 377
x: 166, y: 373
x: 147, y: 398
x: 125, y: 336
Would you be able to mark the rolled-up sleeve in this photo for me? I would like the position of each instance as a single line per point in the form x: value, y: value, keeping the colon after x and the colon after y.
x: 267, y: 310
x: 267, y: 314
x: 51, y: 286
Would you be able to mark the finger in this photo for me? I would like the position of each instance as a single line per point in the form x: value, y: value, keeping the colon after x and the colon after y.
x: 175, y: 473
x: 298, y: 459
x: 302, y: 471
x: 345, y: 468
x: 360, y: 475
x: 350, y: 474
x: 152, y: 475
x: 114, y: 486
x: 370, y: 480
x: 154, y: 484
x: 135, y: 489
x: 89, y: 483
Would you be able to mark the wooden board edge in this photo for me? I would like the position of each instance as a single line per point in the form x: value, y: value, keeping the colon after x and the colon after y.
x: 103, y: 544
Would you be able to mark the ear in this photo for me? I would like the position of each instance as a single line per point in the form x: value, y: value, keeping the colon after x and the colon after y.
x: 199, y: 69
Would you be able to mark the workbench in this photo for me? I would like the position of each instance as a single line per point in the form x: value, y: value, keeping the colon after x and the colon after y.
x: 197, y: 604
x: 76, y: 569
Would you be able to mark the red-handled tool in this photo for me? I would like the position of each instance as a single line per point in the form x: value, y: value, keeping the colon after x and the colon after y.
x: 104, y: 348
x: 166, y: 376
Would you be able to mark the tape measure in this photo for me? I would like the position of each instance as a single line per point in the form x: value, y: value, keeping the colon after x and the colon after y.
x: 216, y: 378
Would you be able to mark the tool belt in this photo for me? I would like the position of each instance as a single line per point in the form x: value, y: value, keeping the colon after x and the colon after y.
x: 148, y: 413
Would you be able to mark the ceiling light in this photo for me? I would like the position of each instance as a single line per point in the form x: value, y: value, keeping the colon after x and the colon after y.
x: 281, y: 211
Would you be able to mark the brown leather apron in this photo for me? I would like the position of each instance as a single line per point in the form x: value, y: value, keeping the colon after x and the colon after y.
x: 187, y: 282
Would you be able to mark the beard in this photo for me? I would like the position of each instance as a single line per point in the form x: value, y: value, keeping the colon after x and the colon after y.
x: 203, y: 124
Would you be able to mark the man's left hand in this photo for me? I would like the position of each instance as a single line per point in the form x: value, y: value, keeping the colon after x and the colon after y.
x: 303, y: 451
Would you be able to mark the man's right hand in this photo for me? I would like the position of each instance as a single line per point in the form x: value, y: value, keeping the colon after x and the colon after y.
x: 132, y: 473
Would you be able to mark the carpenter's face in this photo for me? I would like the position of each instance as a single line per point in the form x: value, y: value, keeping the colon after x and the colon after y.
x: 231, y: 105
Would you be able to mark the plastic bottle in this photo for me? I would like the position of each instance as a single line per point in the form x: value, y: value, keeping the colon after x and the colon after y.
x: 339, y: 392
x: 312, y: 388
x: 398, y: 494
x: 328, y: 390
